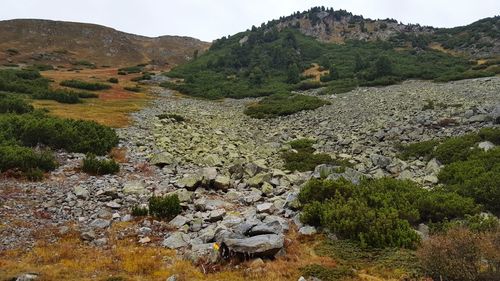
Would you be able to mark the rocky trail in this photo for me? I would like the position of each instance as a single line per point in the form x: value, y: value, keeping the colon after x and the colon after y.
x: 226, y: 167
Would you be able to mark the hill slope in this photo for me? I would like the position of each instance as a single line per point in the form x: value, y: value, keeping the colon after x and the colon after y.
x: 276, y: 56
x: 57, y: 42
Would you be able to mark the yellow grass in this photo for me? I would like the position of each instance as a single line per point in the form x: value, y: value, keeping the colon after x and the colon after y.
x: 71, y: 259
x: 113, y: 106
x: 314, y: 71
x: 114, y: 113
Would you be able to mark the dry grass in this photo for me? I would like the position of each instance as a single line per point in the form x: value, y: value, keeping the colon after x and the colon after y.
x: 71, y: 259
x: 315, y: 71
x: 119, y: 154
x: 113, y: 106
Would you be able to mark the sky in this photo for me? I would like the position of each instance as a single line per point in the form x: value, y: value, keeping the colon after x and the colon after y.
x: 211, y: 19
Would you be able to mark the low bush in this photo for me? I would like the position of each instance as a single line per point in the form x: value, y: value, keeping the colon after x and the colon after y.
x: 72, y: 135
x: 282, y: 105
x: 378, y: 213
x: 303, y: 144
x: 477, y: 177
x: 113, y: 80
x: 307, y: 85
x: 166, y: 207
x: 135, y: 89
x: 59, y: 96
x: 461, y: 255
x: 175, y: 117
x: 25, y: 159
x: 86, y: 95
x: 464, y: 75
x: 490, y: 134
x: 456, y: 149
x: 138, y: 211
x: 131, y: 69
x: 85, y: 85
x: 10, y: 104
x: 341, y: 86
x: 423, y: 149
x: 92, y: 165
x: 305, y: 161
x: 42, y: 67
x: 338, y: 272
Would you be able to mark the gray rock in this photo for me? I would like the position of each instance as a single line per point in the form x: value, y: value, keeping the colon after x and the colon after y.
x: 178, y: 221
x: 176, y: 240
x: 433, y: 167
x: 216, y: 215
x: 27, y: 277
x: 134, y: 187
x: 495, y: 114
x: 222, y: 183
x: 265, y: 208
x: 190, y: 182
x: 88, y: 235
x: 380, y: 161
x: 100, y: 223
x: 479, y: 118
x: 172, y: 278
x: 184, y: 195
x: 162, y: 159
x: 113, y: 205
x: 307, y: 230
x: 486, y: 145
x: 273, y: 227
x: 324, y: 170
x: 81, y: 192
x: 260, y: 245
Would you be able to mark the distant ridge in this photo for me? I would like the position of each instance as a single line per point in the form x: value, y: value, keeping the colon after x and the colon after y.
x: 60, y: 42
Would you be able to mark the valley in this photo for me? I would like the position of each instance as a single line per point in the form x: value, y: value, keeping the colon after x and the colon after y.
x: 319, y: 146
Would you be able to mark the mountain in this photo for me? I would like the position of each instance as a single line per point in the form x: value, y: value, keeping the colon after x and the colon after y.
x: 340, y: 51
x: 58, y: 42
x: 480, y: 39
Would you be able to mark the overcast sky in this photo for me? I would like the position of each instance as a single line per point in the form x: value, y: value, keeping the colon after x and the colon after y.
x: 211, y: 19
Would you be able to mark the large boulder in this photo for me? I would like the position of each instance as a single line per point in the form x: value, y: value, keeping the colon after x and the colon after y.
x: 134, y: 187
x: 176, y: 240
x: 266, y: 245
x: 162, y: 159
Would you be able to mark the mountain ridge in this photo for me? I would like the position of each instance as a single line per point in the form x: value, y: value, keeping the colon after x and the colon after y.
x: 47, y: 41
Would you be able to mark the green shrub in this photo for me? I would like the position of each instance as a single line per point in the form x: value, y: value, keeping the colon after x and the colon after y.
x: 84, y: 85
x: 122, y: 73
x: 175, y: 117
x: 92, y: 165
x: 34, y: 175
x: 135, y: 89
x: 455, y: 149
x: 138, y: 211
x: 338, y: 272
x: 341, y: 86
x: 305, y: 161
x: 491, y: 135
x: 71, y: 135
x: 166, y: 207
x: 477, y: 177
x: 25, y: 159
x: 378, y: 213
x: 42, y: 67
x: 130, y: 69
x: 282, y: 105
x: 59, y: 96
x: 420, y: 149
x: 307, y: 85
x: 9, y: 104
x: 303, y: 144
x: 113, y: 80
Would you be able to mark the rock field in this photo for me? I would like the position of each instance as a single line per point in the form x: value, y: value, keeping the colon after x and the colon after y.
x: 226, y: 167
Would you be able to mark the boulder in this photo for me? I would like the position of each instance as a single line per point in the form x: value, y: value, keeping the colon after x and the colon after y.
x: 179, y: 221
x: 184, y: 195
x: 81, y: 192
x: 100, y: 223
x: 222, y: 183
x: 265, y: 208
x: 176, y: 240
x: 273, y: 227
x: 266, y: 245
x: 27, y: 277
x: 380, y: 161
x: 162, y: 159
x: 259, y: 179
x: 190, y: 182
x: 134, y: 187
x: 486, y: 145
x: 267, y: 188
x: 307, y: 230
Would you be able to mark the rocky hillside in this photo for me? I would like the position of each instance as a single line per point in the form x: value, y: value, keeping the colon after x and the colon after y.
x: 481, y: 38
x: 57, y: 42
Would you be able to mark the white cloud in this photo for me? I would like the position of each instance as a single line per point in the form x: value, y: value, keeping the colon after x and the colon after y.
x: 211, y: 19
